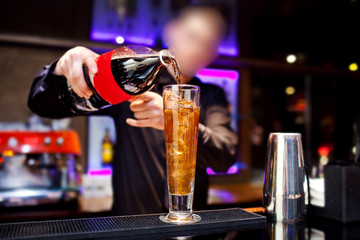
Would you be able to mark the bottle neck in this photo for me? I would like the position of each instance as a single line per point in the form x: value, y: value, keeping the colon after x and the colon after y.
x: 166, y: 57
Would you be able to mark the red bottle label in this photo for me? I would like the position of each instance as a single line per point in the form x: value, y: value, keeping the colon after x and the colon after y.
x: 104, y: 82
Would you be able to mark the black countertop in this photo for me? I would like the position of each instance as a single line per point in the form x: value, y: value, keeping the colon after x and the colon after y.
x: 254, y: 227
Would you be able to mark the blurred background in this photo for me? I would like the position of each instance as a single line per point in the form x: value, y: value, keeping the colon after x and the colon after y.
x: 286, y: 66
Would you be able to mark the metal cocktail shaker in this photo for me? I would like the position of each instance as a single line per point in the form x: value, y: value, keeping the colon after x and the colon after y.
x: 285, y: 194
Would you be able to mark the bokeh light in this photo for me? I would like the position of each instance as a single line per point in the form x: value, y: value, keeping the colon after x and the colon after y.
x: 291, y: 58
x: 353, y: 67
x: 119, y: 40
x: 290, y: 90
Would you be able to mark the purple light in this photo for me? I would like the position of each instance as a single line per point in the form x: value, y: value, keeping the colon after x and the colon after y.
x: 111, y: 37
x: 225, y: 196
x: 233, y: 169
x: 209, y: 171
x: 230, y: 74
x: 100, y: 172
x: 141, y: 40
x: 229, y: 51
x: 102, y: 36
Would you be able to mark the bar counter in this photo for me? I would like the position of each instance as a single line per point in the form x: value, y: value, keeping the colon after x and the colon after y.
x: 229, y: 224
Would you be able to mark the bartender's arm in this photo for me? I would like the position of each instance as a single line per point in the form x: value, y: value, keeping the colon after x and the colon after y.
x: 52, y: 80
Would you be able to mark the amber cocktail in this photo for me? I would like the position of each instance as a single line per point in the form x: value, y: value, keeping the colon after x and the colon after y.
x: 181, y: 112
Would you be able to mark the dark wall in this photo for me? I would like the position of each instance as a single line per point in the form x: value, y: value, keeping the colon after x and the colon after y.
x: 65, y: 19
x: 18, y: 67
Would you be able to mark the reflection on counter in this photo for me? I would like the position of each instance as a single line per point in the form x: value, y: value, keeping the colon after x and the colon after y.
x: 280, y: 230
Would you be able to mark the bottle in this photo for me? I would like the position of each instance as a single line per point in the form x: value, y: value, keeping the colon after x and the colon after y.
x: 122, y: 73
x: 107, y: 149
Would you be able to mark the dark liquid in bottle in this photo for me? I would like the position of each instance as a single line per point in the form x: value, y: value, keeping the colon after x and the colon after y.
x: 136, y: 75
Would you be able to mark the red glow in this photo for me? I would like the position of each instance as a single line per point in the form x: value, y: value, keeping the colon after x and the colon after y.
x: 31, y: 140
x: 324, y: 151
x: 300, y: 106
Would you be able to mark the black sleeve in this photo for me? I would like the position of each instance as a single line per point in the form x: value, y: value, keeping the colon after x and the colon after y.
x: 44, y: 97
x: 217, y: 141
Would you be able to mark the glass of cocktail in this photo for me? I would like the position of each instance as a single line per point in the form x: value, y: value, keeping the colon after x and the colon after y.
x: 181, y: 113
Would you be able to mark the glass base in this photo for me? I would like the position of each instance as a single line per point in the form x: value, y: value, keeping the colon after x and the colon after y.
x: 180, y: 210
x: 180, y: 218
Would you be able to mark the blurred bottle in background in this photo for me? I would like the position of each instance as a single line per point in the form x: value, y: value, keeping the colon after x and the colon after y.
x: 107, y: 152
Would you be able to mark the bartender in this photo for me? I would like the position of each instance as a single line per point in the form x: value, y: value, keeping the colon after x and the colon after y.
x: 139, y: 166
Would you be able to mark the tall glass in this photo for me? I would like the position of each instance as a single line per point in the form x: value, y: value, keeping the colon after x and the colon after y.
x: 181, y: 113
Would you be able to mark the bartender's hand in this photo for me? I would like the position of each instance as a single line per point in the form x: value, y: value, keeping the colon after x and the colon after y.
x: 71, y: 65
x: 148, y: 111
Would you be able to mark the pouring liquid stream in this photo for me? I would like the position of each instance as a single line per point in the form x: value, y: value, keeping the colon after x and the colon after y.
x: 176, y: 69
